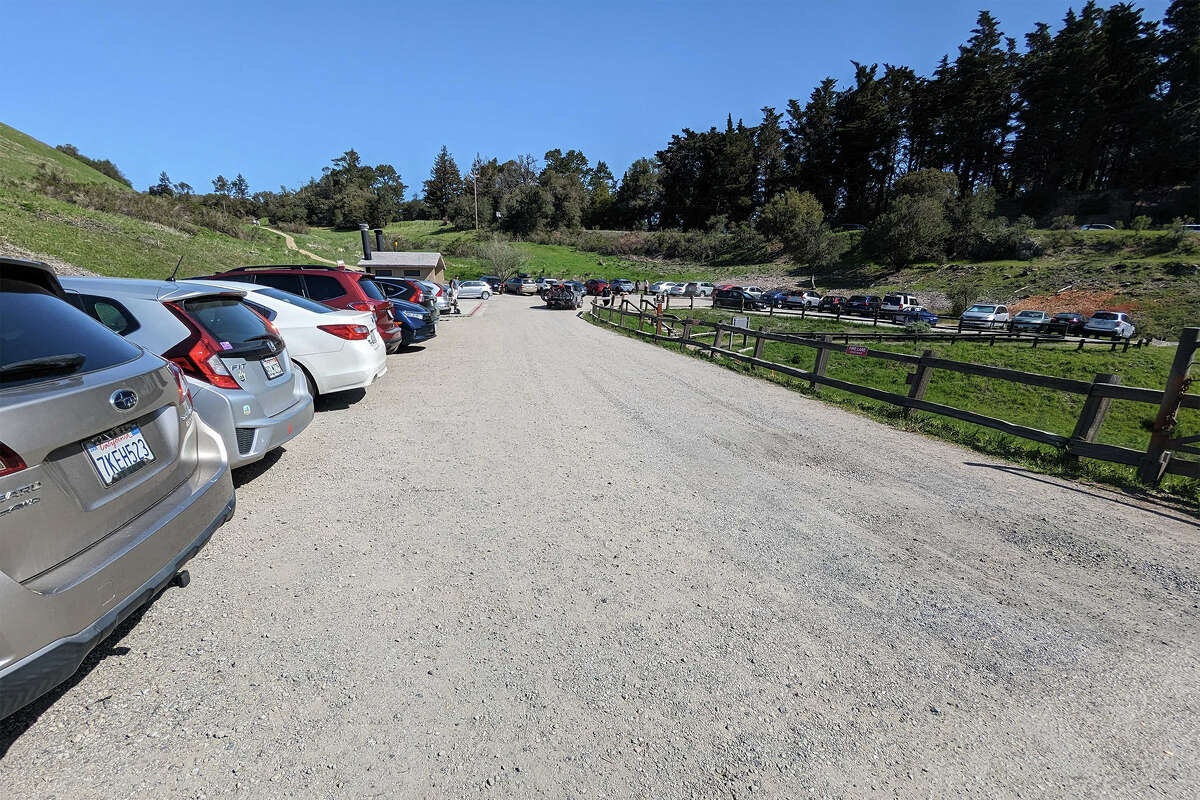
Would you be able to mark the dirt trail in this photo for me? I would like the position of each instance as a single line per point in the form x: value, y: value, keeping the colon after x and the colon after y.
x: 290, y: 242
x: 543, y: 560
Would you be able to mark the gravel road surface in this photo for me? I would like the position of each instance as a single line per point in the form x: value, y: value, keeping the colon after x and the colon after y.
x: 540, y: 559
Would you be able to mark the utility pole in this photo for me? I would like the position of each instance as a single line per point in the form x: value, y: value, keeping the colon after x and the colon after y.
x: 475, y: 186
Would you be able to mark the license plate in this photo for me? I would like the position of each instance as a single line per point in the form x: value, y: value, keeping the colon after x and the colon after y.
x: 118, y: 453
x: 272, y: 367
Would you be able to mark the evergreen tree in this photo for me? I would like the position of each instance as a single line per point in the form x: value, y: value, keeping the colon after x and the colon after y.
x: 600, y: 187
x: 240, y: 187
x: 1178, y: 133
x: 639, y: 197
x: 163, y: 187
x: 769, y: 156
x: 444, y: 184
x: 811, y: 144
x: 221, y: 185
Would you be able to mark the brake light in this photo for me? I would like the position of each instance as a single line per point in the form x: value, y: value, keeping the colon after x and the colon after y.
x: 185, y: 394
x: 10, y: 462
x: 198, y: 355
x: 351, y: 332
x: 361, y: 305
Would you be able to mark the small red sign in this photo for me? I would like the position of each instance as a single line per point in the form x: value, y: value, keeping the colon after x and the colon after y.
x: 856, y: 349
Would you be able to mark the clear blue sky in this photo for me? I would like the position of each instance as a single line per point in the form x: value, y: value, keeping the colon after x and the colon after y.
x: 276, y: 89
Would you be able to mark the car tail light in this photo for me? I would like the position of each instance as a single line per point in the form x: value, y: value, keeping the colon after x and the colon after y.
x: 185, y: 394
x: 361, y: 305
x: 10, y: 462
x: 351, y: 332
x: 199, y: 355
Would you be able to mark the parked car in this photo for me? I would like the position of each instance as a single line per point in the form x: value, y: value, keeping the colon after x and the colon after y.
x: 564, y: 295
x: 596, y: 286
x: 663, y: 287
x: 519, y: 285
x: 1029, y: 321
x: 774, y: 297
x: 1066, y: 323
x: 417, y: 322
x: 1191, y: 227
x: 621, y: 285
x: 336, y: 287
x: 468, y: 290
x: 440, y: 295
x: 545, y: 283
x: 338, y: 350
x: 832, y: 303
x: 801, y: 298
x: 679, y: 290
x: 110, y: 482
x: 579, y: 286
x: 699, y: 288
x: 757, y: 291
x: 915, y: 314
x: 237, y: 366
x: 739, y: 298
x: 985, y: 315
x: 1096, y: 226
x: 409, y: 290
x: 1109, y: 323
x: 894, y: 303
x: 864, y: 305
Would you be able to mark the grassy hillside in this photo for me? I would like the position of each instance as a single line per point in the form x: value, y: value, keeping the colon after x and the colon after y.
x: 21, y: 155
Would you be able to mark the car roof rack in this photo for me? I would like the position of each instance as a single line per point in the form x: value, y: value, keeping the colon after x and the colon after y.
x: 287, y: 266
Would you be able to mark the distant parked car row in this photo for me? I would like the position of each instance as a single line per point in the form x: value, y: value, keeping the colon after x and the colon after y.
x: 1115, y: 324
x: 124, y: 406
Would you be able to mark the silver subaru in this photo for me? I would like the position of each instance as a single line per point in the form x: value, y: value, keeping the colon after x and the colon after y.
x: 237, y: 367
x: 109, y: 482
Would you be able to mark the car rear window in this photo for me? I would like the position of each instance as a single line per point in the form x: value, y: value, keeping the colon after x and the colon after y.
x: 296, y: 300
x: 1104, y: 315
x: 893, y: 299
x: 286, y: 283
x: 323, y: 287
x: 371, y: 289
x: 35, y: 324
x: 227, y: 319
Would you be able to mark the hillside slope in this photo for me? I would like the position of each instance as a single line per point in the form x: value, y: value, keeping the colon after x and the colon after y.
x: 21, y: 155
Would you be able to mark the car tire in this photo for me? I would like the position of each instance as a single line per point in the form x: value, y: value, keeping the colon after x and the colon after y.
x: 309, y: 383
x: 485, y: 295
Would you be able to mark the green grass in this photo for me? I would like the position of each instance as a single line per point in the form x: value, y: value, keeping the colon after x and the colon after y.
x: 21, y: 155
x: 1127, y: 423
x: 114, y: 244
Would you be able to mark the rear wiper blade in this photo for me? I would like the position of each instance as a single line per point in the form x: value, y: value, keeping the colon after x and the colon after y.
x: 260, y: 337
x: 68, y: 362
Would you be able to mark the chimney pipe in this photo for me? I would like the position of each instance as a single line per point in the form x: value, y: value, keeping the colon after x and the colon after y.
x: 366, y: 240
x: 379, y: 239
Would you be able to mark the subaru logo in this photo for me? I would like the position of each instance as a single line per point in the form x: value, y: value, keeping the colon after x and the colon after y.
x: 124, y: 399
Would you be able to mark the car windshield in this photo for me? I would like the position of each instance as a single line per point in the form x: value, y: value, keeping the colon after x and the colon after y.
x: 1104, y: 315
x: 42, y: 337
x: 294, y: 299
x: 371, y: 289
x: 983, y: 309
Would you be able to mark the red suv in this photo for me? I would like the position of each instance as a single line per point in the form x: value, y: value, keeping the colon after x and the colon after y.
x: 336, y: 287
x: 596, y: 286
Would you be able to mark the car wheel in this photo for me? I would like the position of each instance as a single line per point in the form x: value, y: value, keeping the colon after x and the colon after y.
x: 486, y: 295
x: 309, y: 383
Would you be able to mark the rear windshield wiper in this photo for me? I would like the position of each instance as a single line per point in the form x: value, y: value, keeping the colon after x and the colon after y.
x: 67, y: 362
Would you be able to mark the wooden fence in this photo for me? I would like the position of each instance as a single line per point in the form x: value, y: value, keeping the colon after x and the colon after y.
x: 941, y: 332
x: 1160, y: 458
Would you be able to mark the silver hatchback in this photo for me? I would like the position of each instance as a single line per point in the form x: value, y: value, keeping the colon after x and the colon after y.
x: 237, y: 367
x: 109, y: 482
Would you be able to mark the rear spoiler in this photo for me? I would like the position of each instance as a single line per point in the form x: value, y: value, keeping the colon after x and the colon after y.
x: 35, y: 272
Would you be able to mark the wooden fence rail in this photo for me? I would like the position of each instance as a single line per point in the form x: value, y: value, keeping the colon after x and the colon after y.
x: 1159, y: 459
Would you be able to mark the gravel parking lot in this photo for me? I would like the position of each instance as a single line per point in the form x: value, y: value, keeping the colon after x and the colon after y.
x: 544, y: 560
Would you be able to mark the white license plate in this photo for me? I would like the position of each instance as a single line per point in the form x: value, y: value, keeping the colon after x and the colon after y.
x: 118, y: 453
x: 272, y: 367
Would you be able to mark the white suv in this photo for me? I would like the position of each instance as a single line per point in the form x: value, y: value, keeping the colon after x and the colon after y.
x: 894, y: 304
x: 1109, y: 323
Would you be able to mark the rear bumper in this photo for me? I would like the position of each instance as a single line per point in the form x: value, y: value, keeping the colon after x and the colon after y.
x: 249, y: 437
x: 47, y: 631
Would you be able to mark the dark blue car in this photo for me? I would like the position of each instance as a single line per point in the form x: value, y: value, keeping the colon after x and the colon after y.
x: 776, y: 297
x: 415, y: 321
x: 916, y: 314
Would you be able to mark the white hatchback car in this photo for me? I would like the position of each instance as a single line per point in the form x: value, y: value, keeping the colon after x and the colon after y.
x: 336, y: 350
x: 1109, y: 323
x: 468, y: 290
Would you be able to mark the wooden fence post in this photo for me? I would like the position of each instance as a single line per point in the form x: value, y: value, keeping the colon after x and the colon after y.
x: 1157, y: 455
x: 687, y: 334
x: 1092, y: 415
x: 758, y: 344
x: 918, y: 381
x: 821, y: 362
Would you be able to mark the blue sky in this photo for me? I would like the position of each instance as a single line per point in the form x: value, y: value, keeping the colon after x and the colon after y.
x: 276, y: 89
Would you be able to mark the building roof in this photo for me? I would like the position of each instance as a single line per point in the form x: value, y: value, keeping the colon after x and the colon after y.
x: 385, y: 259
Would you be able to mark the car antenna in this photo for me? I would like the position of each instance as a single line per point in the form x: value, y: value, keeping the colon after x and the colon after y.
x: 175, y: 271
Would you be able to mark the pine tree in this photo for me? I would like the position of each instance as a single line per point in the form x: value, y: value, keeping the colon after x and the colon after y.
x: 444, y: 184
x: 163, y: 187
x: 221, y: 185
x: 240, y: 187
x: 769, y: 157
x: 1178, y: 154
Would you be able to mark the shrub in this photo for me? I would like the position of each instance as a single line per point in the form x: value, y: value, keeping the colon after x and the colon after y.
x: 917, y: 327
x: 1066, y: 222
x: 913, y: 228
x: 962, y: 294
x: 797, y: 220
x: 1140, y: 223
x: 501, y: 257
